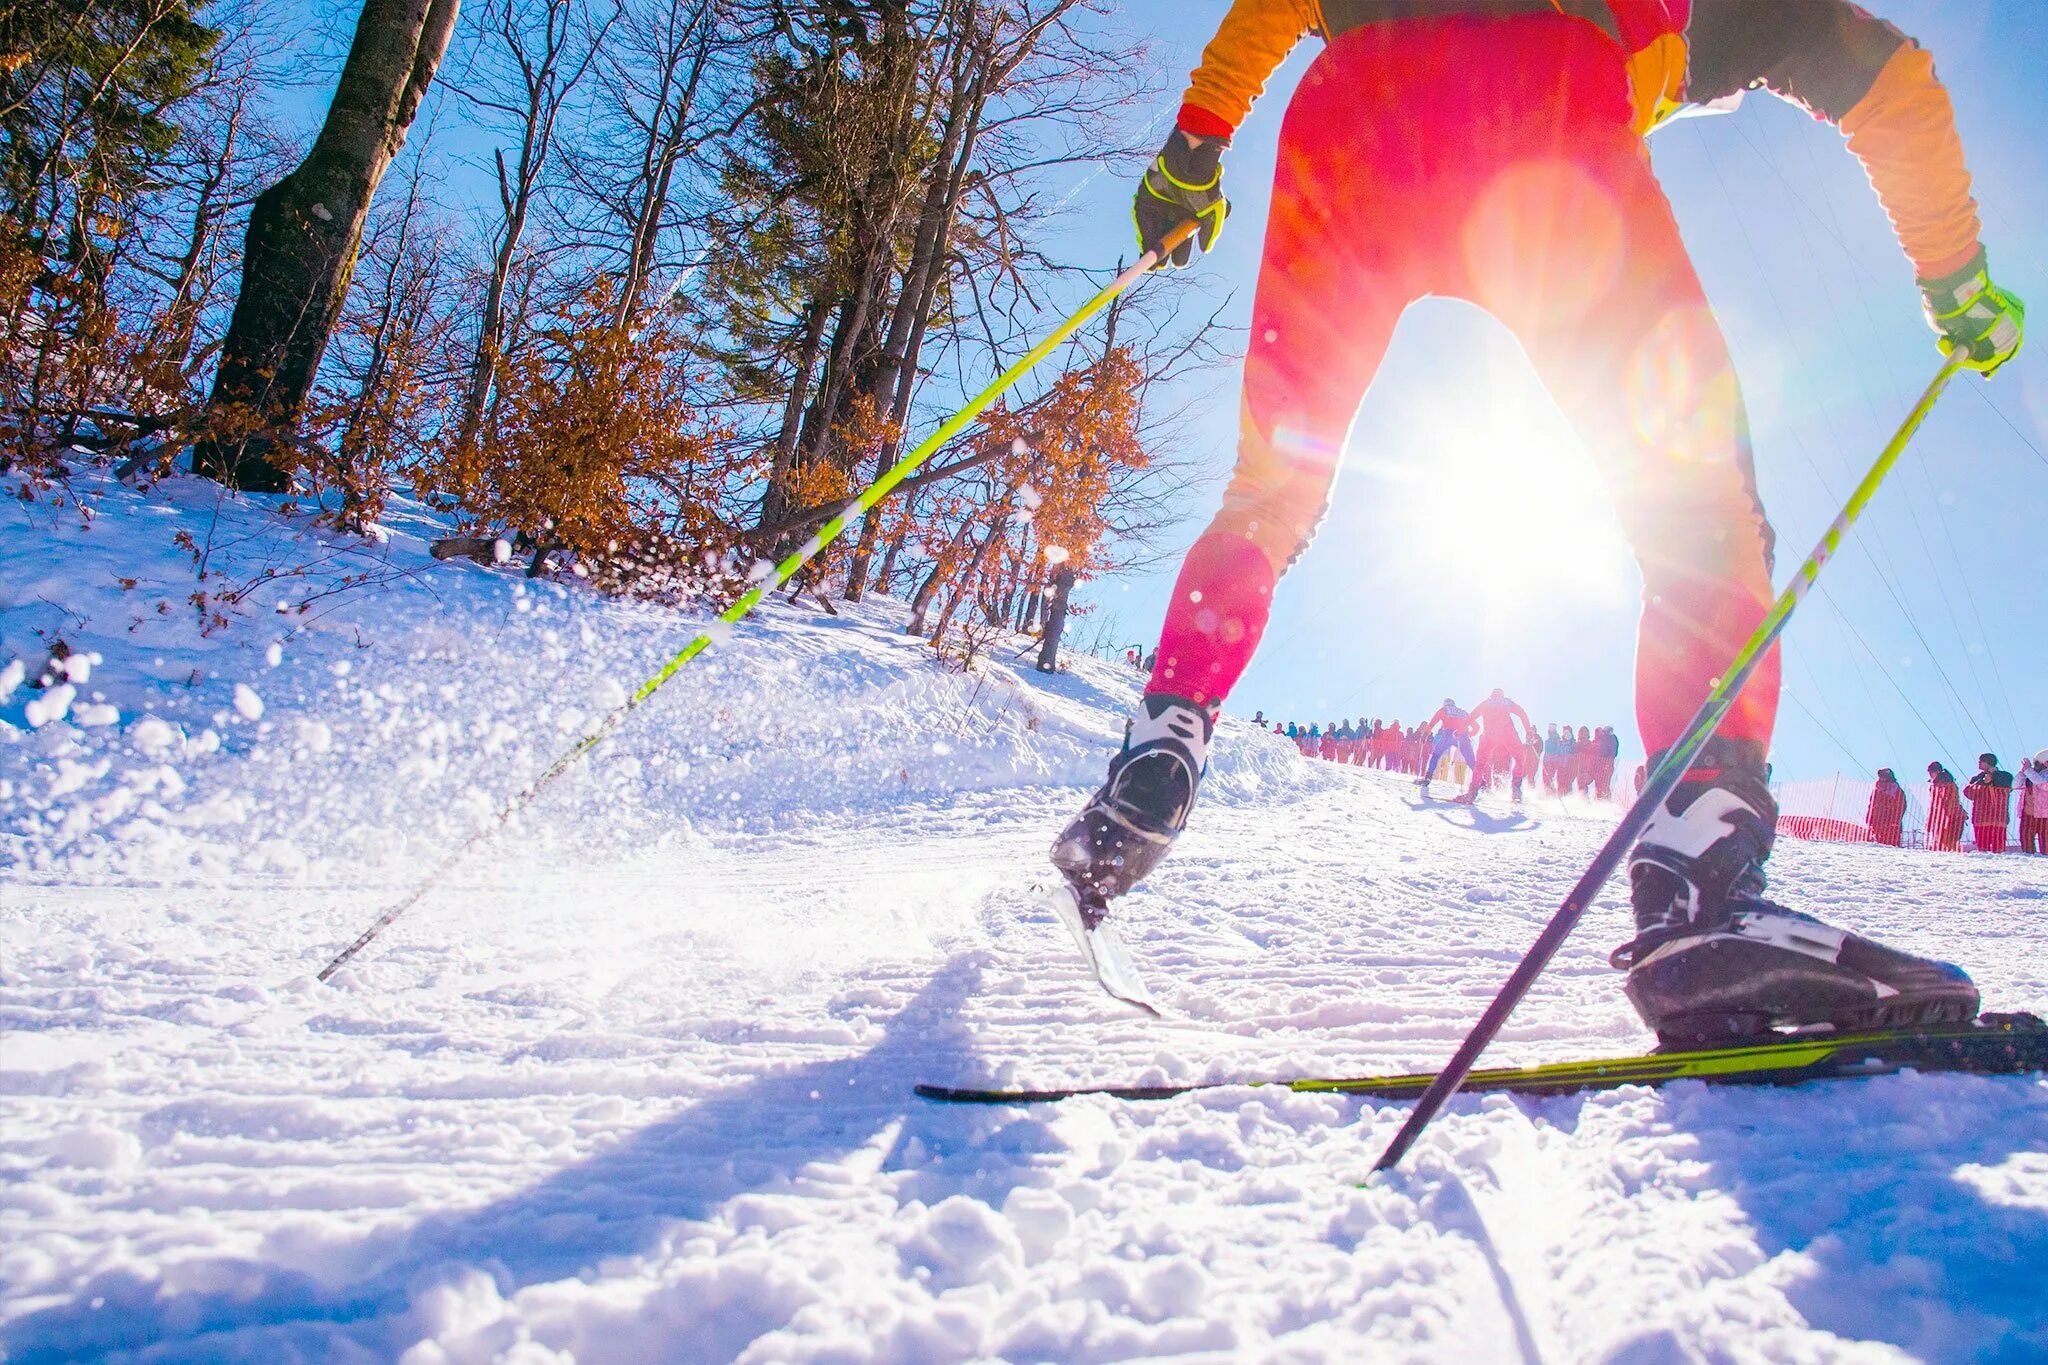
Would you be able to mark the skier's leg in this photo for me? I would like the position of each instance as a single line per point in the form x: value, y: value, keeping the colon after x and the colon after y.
x: 1628, y: 347
x: 1587, y: 266
x: 1327, y: 301
x: 1306, y: 369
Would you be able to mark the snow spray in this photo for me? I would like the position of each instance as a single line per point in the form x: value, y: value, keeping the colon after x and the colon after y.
x: 769, y: 582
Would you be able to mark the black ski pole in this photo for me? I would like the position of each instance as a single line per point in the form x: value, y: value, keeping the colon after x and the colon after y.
x: 1659, y: 786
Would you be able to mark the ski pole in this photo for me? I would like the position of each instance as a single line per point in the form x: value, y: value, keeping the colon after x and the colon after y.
x: 783, y: 572
x: 1676, y: 761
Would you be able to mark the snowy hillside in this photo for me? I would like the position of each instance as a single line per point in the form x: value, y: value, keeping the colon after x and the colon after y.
x: 635, y: 1084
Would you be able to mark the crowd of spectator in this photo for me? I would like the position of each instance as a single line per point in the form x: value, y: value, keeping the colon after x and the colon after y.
x: 1987, y: 804
x: 1583, y: 760
x: 1563, y: 759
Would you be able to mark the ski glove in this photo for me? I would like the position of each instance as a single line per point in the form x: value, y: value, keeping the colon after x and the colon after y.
x: 1182, y: 183
x: 1973, y: 313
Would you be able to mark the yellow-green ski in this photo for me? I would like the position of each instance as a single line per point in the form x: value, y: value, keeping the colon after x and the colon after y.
x: 1995, y: 1044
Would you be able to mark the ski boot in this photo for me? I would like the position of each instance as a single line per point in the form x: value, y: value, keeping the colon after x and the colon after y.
x: 1714, y: 962
x: 1127, y: 827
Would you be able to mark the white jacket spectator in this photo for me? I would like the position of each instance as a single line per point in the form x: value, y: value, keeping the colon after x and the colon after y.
x: 2032, y: 782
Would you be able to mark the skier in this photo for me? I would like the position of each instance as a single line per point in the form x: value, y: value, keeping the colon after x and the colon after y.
x: 1500, y: 743
x: 1608, y: 742
x: 1886, y: 815
x: 1990, y: 793
x: 1553, y: 758
x: 1450, y: 728
x: 1492, y: 150
x: 1585, y: 760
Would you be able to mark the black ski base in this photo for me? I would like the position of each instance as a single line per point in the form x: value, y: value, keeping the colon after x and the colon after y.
x: 1991, y: 1045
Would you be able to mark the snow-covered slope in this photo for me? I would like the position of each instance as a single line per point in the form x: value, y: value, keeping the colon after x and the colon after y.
x: 635, y: 1084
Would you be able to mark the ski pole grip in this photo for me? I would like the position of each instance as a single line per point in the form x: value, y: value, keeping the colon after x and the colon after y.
x: 1172, y: 241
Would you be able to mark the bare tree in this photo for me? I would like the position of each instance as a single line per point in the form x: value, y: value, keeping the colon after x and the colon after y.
x: 302, y: 239
x: 542, y: 51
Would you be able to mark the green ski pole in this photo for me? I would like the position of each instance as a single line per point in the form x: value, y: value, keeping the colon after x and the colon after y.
x: 1676, y: 761
x: 783, y: 572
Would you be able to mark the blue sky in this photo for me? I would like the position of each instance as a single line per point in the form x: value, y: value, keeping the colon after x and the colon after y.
x: 1930, y: 637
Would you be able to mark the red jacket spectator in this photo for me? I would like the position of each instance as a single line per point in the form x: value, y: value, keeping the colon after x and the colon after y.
x: 1886, y: 817
x: 1990, y: 793
x: 1944, y: 810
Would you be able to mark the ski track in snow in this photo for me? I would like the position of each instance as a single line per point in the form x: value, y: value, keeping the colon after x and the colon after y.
x: 635, y: 1083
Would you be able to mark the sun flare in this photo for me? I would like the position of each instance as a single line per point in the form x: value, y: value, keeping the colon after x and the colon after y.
x: 1509, y: 507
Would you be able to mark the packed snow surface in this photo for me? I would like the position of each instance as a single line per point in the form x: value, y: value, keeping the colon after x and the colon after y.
x: 635, y: 1083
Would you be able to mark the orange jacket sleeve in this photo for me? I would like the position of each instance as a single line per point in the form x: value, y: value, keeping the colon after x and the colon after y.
x: 1904, y: 132
x: 1254, y: 39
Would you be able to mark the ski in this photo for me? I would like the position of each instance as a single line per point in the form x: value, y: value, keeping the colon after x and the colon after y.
x: 1992, y: 1045
x: 1103, y: 948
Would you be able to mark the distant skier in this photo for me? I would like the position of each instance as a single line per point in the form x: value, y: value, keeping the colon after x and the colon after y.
x: 1501, y: 743
x: 1450, y: 728
x: 1885, y: 817
x: 1492, y: 150
x: 1607, y: 747
x: 1555, y: 747
x: 1585, y: 761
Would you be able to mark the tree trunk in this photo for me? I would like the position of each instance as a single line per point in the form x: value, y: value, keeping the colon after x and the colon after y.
x: 179, y: 329
x: 920, y: 288
x: 544, y: 89
x: 1028, y: 616
x: 887, y: 573
x: 662, y: 153
x: 967, y: 575
x: 1015, y: 581
x: 775, y: 503
x: 303, y: 236
x: 921, y: 601
x: 1055, y: 621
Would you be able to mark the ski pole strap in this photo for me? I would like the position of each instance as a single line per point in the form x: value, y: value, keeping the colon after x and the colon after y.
x: 1660, y: 784
x: 781, y: 574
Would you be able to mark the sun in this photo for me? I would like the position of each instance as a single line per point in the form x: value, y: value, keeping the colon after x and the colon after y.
x: 1510, y: 508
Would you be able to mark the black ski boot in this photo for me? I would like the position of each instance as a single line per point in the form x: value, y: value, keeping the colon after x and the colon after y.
x: 1126, y: 828
x: 1714, y: 962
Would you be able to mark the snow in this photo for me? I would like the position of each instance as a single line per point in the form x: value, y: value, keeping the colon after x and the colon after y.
x: 633, y: 1083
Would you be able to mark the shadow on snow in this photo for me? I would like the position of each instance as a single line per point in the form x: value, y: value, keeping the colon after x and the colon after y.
x: 623, y: 1201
